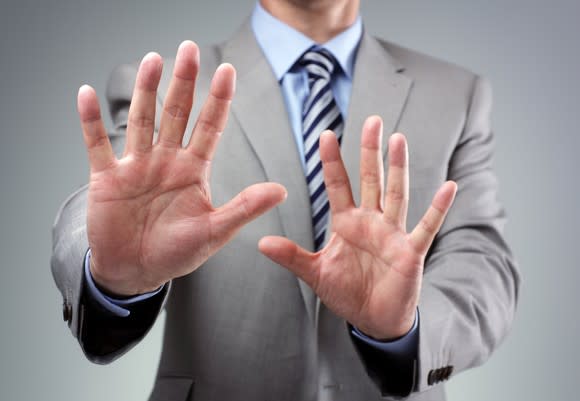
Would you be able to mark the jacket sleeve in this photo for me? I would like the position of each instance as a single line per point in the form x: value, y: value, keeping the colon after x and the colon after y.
x: 470, y: 283
x: 102, y: 335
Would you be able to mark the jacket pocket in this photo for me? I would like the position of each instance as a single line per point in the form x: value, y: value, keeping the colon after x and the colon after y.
x: 172, y: 389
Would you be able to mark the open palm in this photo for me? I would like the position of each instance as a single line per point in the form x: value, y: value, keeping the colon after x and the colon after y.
x: 150, y: 217
x: 370, y: 271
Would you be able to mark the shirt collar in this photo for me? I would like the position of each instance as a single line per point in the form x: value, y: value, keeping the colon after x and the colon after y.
x: 270, y: 32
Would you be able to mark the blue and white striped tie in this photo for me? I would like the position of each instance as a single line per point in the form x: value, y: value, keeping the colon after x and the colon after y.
x: 320, y: 113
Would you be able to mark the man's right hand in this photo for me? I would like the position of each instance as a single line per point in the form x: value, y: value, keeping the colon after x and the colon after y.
x: 150, y: 218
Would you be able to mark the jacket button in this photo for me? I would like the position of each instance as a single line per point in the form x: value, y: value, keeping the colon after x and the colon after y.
x: 448, y: 372
x: 66, y: 311
x: 431, y: 378
x: 445, y: 373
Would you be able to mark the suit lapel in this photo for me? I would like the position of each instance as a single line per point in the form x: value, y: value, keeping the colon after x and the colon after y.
x: 260, y: 109
x: 379, y: 88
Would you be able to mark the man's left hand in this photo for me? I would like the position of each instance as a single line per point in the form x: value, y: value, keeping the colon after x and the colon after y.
x: 370, y: 271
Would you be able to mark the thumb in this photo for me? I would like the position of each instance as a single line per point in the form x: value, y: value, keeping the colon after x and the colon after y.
x: 252, y: 202
x: 291, y: 256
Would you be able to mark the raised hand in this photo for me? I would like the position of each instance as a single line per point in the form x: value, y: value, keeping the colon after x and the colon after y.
x: 150, y: 217
x: 370, y: 271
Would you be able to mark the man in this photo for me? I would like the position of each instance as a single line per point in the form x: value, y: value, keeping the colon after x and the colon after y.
x: 376, y: 311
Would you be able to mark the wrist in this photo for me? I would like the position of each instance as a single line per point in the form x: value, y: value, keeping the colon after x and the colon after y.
x: 391, y: 333
x: 118, y: 288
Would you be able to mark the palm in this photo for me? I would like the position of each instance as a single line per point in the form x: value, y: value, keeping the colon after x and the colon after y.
x: 371, y: 260
x: 150, y: 217
x: 156, y: 215
x: 370, y: 271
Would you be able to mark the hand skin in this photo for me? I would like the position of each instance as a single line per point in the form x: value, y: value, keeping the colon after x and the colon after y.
x: 150, y: 218
x: 370, y: 271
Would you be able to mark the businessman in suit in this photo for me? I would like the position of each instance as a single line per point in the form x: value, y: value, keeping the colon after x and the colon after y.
x: 364, y: 308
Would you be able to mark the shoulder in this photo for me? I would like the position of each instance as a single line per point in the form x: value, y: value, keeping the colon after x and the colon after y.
x: 434, y: 73
x: 421, y: 65
x: 441, y: 79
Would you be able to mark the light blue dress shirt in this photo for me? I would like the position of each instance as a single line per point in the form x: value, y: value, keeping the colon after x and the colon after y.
x: 269, y: 33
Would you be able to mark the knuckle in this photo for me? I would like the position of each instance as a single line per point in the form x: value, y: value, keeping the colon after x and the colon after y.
x: 177, y: 112
x: 141, y: 121
x: 208, y: 126
x: 392, y: 219
x: 395, y: 195
x: 245, y: 205
x: 369, y: 177
x: 220, y: 99
x: 202, y: 157
x: 428, y: 226
x: 91, y: 119
x: 336, y: 182
x: 99, y: 142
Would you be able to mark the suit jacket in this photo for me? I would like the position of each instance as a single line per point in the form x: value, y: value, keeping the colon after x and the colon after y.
x: 243, y: 328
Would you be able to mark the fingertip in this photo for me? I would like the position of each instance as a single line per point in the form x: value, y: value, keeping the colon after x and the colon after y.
x: 329, y: 147
x: 187, y: 60
x: 398, y: 138
x: 327, y: 136
x: 398, y: 153
x: 271, y: 246
x: 452, y: 185
x: 445, y: 196
x: 264, y: 244
x: 280, y: 191
x: 188, y: 45
x: 283, y: 191
x: 372, y: 132
x: 84, y: 93
x: 152, y: 62
x: 224, y: 82
x: 87, y: 103
x: 150, y: 71
x: 85, y: 89
x: 152, y: 57
x: 374, y: 122
x: 227, y: 70
x: 449, y: 187
x: 226, y: 67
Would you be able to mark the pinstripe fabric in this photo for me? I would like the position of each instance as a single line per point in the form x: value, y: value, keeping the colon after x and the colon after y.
x: 320, y: 113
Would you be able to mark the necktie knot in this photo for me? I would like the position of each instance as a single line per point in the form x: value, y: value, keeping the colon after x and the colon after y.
x: 319, y: 63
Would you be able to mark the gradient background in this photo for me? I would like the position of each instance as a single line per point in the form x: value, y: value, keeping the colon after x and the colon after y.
x: 528, y: 48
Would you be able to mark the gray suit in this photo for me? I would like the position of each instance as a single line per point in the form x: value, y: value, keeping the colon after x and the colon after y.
x: 243, y: 328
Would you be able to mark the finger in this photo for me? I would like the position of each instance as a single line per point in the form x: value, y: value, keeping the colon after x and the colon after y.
x: 179, y: 99
x: 246, y: 206
x: 371, y: 164
x: 141, y: 122
x: 335, y: 176
x: 397, y: 194
x: 424, y: 233
x: 291, y: 256
x: 97, y: 142
x: 214, y: 114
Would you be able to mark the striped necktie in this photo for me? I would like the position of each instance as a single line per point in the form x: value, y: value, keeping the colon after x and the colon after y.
x: 320, y: 112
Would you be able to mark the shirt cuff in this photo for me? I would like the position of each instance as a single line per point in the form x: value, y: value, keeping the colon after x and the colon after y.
x: 118, y: 307
x: 405, y: 346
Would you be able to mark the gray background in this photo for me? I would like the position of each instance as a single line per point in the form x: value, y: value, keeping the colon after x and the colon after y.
x: 528, y: 48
